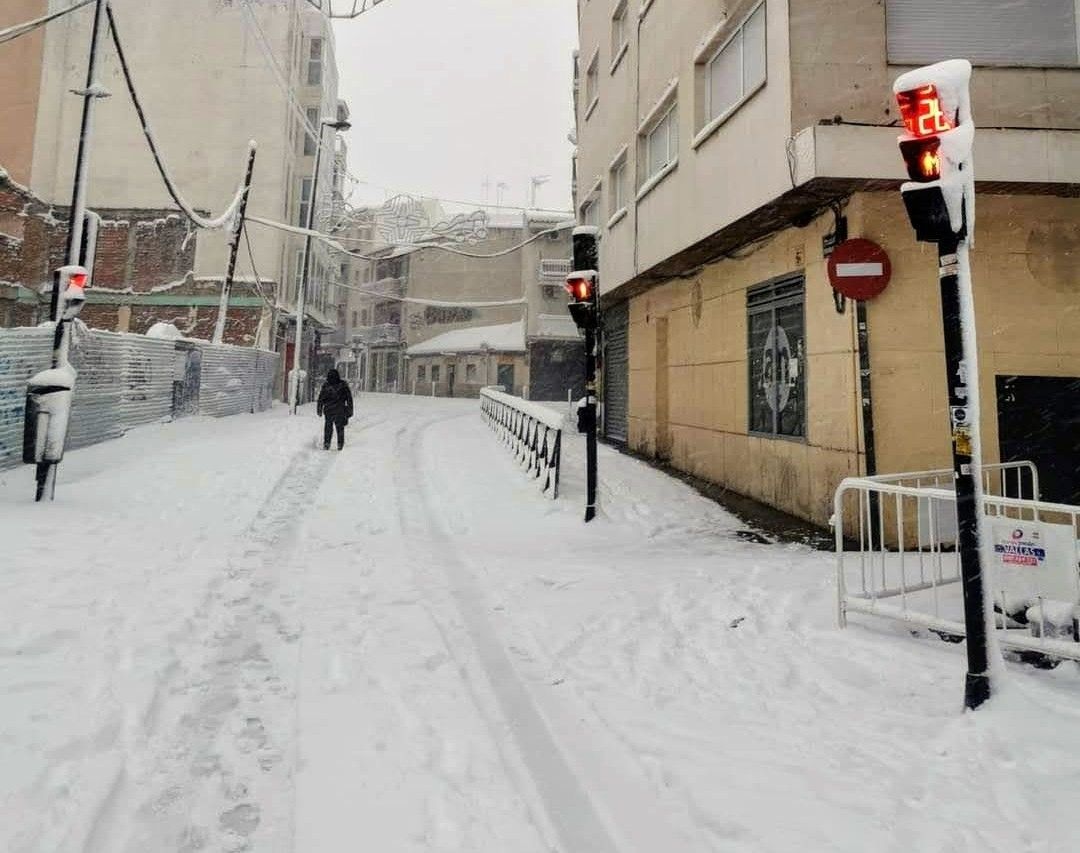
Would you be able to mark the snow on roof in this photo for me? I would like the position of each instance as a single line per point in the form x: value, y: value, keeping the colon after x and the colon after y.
x: 509, y: 337
x: 560, y: 326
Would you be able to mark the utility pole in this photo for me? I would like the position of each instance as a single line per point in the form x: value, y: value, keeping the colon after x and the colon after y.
x: 935, y: 105
x: 583, y: 287
x: 91, y: 93
x: 294, y: 380
x: 234, y: 250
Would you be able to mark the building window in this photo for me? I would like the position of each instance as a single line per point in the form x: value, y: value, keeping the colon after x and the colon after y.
x: 298, y: 271
x: 434, y: 374
x: 354, y: 320
x: 470, y: 372
x: 304, y: 207
x: 592, y: 84
x: 661, y: 144
x: 737, y: 69
x: 777, y: 358
x: 312, y: 114
x: 421, y: 374
x: 315, y: 63
x: 986, y: 32
x: 590, y: 212
x: 617, y: 188
x: 620, y: 39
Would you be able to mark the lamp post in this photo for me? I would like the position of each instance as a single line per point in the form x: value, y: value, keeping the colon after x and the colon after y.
x: 294, y: 381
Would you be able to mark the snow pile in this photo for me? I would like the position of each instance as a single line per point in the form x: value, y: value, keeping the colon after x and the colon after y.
x: 164, y: 331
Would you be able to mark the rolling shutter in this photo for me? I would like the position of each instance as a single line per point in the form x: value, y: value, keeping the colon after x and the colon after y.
x: 616, y: 372
x: 1035, y: 33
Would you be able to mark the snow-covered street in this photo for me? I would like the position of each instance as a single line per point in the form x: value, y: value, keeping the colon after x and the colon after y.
x: 221, y: 637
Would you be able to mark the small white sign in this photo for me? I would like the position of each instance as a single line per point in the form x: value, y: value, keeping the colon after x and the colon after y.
x: 859, y: 270
x: 1031, y: 559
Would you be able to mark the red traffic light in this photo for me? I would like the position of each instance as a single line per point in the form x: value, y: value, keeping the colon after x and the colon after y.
x: 922, y: 158
x: 78, y: 279
x: 921, y: 111
x: 581, y: 289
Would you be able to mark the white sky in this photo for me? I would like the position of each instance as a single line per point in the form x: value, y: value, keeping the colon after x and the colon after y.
x: 446, y: 94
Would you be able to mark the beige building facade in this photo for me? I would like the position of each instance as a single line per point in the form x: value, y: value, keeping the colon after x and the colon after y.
x: 720, y: 146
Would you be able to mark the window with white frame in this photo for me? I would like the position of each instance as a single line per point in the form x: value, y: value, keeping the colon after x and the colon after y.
x: 660, y: 144
x: 315, y: 63
x: 590, y: 211
x: 305, y: 203
x: 617, y: 186
x: 737, y: 69
x: 986, y: 32
x: 592, y: 83
x: 620, y: 32
x: 312, y: 114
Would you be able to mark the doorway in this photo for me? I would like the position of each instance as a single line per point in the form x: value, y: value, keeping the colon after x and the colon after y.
x: 451, y: 377
x: 506, y: 377
x: 1039, y: 420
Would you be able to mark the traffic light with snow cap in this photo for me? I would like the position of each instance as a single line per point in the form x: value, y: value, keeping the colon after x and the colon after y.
x: 71, y: 282
x: 935, y: 105
x: 584, y: 300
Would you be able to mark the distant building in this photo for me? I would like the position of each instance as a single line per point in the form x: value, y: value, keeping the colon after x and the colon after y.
x: 408, y: 296
x: 719, y: 145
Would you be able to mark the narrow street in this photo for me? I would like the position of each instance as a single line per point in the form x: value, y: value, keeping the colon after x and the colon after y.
x: 245, y: 643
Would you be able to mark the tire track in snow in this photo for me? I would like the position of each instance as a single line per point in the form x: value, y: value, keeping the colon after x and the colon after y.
x: 569, y: 810
x: 205, y: 769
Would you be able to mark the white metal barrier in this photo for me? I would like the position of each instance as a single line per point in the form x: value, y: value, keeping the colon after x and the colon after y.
x: 897, y: 558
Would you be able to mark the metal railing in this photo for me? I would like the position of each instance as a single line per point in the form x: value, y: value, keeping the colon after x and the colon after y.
x: 896, y: 539
x: 533, y: 433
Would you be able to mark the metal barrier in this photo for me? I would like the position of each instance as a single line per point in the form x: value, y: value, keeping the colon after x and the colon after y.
x: 126, y: 380
x: 897, y: 558
x: 532, y: 432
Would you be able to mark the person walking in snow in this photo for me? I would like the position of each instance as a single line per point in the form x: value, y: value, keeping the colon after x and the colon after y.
x: 336, y: 405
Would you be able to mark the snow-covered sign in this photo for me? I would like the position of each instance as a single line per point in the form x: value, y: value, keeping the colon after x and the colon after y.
x: 1033, y: 559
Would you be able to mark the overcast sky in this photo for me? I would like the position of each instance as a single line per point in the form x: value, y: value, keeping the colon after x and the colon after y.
x: 448, y: 94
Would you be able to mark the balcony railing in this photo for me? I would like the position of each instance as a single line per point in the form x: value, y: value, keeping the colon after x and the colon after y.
x: 387, y: 333
x: 554, y: 270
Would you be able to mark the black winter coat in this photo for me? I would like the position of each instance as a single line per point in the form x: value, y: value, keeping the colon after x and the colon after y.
x: 335, y: 401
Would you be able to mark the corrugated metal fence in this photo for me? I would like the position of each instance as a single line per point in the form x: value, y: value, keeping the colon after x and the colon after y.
x: 127, y: 380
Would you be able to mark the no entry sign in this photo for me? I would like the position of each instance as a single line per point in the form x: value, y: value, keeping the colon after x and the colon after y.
x: 859, y: 269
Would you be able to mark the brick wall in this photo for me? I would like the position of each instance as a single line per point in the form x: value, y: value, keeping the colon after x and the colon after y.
x: 142, y: 273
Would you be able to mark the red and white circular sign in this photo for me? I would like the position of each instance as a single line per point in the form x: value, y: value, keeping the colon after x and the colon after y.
x: 859, y: 269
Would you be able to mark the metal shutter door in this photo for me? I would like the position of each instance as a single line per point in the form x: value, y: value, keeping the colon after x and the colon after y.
x: 616, y: 372
x: 1036, y: 33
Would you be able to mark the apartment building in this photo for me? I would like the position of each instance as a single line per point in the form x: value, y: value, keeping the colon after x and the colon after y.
x: 721, y: 146
x: 213, y: 74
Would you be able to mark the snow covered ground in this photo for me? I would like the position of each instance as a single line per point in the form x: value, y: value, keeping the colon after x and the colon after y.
x: 222, y: 638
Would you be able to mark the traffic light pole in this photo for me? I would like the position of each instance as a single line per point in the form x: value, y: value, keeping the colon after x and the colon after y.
x: 78, y: 199
x: 590, y: 435
x: 954, y: 273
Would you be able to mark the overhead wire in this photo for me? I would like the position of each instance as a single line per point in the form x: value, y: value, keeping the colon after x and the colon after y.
x: 229, y: 215
x: 442, y: 247
x: 13, y: 32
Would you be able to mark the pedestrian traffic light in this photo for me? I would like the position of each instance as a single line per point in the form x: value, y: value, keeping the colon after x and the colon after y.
x: 71, y: 281
x: 935, y: 107
x: 584, y: 302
